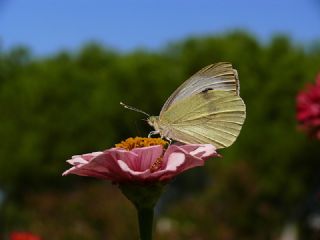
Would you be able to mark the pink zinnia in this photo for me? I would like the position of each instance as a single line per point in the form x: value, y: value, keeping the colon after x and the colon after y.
x: 141, y: 160
x: 308, y: 109
x: 141, y: 167
x: 23, y: 236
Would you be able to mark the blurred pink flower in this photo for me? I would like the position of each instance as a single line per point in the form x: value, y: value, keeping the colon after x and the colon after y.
x: 23, y: 236
x: 308, y: 109
x: 141, y: 164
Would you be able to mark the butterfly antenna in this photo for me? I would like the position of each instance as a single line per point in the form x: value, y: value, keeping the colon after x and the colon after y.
x: 134, y: 109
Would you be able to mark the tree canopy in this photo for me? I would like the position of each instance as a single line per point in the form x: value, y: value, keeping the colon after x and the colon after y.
x: 67, y: 104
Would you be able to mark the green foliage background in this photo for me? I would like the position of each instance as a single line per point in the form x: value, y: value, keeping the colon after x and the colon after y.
x: 58, y: 106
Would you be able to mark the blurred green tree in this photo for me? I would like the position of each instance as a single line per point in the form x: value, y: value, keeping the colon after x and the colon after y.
x: 54, y: 107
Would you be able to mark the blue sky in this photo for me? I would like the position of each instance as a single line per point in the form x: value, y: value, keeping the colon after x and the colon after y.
x: 47, y: 26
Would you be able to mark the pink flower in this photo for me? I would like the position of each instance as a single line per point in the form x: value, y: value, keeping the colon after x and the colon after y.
x: 149, y: 162
x: 23, y: 236
x: 308, y: 109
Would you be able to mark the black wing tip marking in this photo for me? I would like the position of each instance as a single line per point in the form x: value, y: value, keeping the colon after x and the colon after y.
x: 206, y: 90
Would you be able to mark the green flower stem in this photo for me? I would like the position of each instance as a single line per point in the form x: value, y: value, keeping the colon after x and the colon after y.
x: 145, y: 216
x: 144, y: 197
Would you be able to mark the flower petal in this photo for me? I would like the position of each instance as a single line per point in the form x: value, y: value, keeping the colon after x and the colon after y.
x: 83, y: 171
x: 84, y: 158
x: 77, y: 160
x: 146, y: 156
x: 175, y: 160
x: 126, y: 168
x: 90, y: 156
x: 181, y: 158
x: 202, y: 151
x: 198, y: 151
x: 102, y: 166
x: 129, y: 157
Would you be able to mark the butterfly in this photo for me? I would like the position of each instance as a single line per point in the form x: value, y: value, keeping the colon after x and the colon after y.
x: 205, y: 109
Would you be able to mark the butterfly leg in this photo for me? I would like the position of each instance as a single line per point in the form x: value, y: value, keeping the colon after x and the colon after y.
x: 168, y: 139
x: 164, y: 137
x: 153, y: 133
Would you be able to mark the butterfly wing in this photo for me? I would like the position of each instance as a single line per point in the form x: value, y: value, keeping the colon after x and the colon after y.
x: 219, y: 76
x: 215, y: 117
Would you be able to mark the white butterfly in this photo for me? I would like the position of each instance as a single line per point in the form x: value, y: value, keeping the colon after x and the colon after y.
x: 206, y: 108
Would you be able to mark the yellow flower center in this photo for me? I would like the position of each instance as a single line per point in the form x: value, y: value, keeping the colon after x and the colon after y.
x: 139, y: 142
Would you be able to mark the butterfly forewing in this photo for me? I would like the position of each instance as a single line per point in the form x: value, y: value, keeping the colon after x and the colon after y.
x: 213, y: 116
x: 219, y: 76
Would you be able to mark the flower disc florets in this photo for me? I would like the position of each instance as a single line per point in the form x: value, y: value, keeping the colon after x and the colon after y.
x: 139, y: 142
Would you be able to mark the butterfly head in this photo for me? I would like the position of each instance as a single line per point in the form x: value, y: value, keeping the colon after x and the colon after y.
x: 153, y: 122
